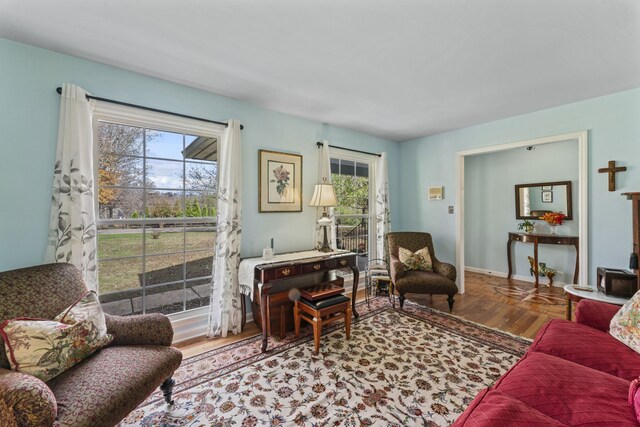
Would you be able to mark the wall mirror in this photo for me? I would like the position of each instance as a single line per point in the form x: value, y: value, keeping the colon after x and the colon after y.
x: 534, y: 200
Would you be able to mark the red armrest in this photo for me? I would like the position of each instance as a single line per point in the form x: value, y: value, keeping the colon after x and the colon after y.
x: 595, y: 314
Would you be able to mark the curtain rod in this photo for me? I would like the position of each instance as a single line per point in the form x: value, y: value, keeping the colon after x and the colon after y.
x: 350, y: 149
x: 126, y: 104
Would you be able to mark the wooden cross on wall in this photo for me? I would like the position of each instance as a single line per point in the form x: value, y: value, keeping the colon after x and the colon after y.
x: 611, y: 170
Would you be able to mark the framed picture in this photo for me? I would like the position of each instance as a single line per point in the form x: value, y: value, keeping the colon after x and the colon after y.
x: 279, y: 182
x: 435, y: 193
x: 547, y: 196
x: 547, y: 187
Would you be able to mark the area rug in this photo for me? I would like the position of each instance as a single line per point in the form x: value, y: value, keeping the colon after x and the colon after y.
x: 400, y: 368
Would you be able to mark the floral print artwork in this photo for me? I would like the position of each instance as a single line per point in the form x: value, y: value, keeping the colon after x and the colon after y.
x: 625, y: 325
x: 281, y: 175
x: 400, y: 368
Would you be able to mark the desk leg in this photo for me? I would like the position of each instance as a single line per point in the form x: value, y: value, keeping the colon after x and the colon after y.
x: 243, y: 307
x: 354, y: 290
x: 265, y: 321
x: 567, y: 313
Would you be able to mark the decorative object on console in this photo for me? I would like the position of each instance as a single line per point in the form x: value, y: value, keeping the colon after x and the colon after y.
x: 526, y: 226
x: 611, y: 170
x: 617, y: 282
x: 324, y: 196
x: 279, y: 182
x: 542, y: 270
x: 554, y: 219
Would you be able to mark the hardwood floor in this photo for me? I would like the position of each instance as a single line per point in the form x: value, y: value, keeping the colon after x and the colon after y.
x: 510, y: 305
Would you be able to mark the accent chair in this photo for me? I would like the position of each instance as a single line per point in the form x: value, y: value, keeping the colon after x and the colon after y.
x: 100, y: 390
x: 440, y: 281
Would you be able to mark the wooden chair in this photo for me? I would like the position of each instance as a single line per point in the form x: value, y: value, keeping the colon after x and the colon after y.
x: 322, y: 312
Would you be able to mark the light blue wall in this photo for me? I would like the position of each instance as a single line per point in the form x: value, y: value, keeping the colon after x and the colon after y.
x: 490, y: 206
x: 29, y: 110
x: 613, y: 123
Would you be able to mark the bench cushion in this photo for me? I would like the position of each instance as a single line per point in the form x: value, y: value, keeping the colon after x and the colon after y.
x: 327, y: 302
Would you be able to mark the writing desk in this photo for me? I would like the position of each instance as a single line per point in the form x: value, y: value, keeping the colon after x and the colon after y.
x: 546, y: 239
x: 273, y: 279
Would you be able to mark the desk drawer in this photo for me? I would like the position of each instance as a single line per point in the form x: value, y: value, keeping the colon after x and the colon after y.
x: 319, y: 266
x: 290, y: 271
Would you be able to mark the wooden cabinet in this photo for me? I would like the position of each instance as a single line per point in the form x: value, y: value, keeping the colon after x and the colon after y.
x: 635, y: 220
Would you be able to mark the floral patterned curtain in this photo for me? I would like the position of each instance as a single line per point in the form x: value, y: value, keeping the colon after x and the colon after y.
x: 72, y: 225
x: 324, y: 172
x: 383, y: 213
x: 225, y: 304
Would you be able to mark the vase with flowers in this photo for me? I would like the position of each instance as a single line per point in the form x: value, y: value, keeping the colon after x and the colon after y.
x: 526, y: 226
x: 554, y: 219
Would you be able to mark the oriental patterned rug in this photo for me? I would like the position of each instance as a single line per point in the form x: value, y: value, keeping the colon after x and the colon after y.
x: 400, y: 368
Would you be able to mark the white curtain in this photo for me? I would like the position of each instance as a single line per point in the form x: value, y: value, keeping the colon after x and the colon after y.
x: 324, y: 172
x: 72, y: 223
x: 225, y: 304
x: 383, y: 212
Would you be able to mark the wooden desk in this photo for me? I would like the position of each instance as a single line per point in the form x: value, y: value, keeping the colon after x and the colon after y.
x: 272, y: 283
x: 546, y: 239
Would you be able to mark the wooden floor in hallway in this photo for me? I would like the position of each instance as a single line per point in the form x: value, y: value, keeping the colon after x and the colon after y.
x: 510, y: 305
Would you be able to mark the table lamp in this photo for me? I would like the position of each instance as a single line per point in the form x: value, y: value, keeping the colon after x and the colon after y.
x: 324, y: 196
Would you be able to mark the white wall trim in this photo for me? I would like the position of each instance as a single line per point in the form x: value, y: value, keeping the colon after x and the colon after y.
x: 582, y: 138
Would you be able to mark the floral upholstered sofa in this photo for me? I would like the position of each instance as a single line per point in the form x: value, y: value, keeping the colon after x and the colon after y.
x: 103, y: 388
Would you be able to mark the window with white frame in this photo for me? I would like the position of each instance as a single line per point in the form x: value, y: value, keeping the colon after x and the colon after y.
x: 156, y: 204
x: 352, y: 178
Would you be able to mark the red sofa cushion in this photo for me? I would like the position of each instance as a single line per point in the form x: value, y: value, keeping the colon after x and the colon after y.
x: 567, y: 392
x: 495, y: 409
x: 587, y: 346
x: 595, y: 313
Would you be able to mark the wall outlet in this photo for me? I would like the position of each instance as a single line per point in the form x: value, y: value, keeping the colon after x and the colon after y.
x: 451, y: 209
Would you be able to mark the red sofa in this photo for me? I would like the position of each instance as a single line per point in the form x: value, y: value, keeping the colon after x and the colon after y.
x: 575, y: 373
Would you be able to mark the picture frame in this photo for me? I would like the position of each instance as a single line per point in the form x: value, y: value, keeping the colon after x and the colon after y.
x: 435, y: 193
x: 547, y: 187
x: 279, y: 182
x: 547, y: 197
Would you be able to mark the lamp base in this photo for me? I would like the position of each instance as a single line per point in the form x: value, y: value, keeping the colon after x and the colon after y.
x: 325, y: 244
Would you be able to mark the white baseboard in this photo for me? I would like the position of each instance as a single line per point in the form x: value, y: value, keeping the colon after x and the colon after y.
x: 530, y: 279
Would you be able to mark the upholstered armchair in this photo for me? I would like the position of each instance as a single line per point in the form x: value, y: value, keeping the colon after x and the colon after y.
x: 442, y: 280
x: 102, y: 389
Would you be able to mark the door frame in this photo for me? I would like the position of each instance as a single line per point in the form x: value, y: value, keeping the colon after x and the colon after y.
x: 582, y: 138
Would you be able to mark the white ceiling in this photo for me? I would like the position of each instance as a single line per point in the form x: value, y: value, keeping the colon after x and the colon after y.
x: 397, y: 69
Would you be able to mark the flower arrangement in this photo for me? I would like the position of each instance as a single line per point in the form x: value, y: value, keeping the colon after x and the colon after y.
x: 527, y: 226
x: 281, y: 176
x: 553, y: 218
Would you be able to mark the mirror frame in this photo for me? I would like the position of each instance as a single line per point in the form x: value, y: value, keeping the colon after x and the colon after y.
x: 569, y: 212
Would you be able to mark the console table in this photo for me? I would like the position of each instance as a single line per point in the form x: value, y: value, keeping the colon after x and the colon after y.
x: 273, y: 279
x: 546, y: 239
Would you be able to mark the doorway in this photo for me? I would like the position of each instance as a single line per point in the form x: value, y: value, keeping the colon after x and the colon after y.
x: 581, y: 138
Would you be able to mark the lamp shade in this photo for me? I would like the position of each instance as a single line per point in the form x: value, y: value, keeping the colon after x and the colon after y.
x: 323, y: 196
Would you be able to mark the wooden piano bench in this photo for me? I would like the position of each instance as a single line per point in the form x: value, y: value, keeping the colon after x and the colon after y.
x: 322, y: 312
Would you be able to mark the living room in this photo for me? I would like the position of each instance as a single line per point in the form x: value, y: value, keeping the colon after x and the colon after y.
x: 293, y: 82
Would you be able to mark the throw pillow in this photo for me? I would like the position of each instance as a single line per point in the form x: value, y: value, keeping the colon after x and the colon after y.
x: 625, y: 325
x: 86, y: 308
x: 419, y: 260
x: 46, y: 348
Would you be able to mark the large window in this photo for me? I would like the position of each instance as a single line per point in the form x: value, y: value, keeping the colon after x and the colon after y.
x: 156, y: 227
x: 352, y: 180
